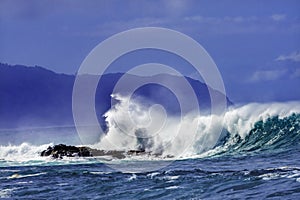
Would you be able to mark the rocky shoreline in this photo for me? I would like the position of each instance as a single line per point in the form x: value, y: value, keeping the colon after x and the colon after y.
x: 61, y: 150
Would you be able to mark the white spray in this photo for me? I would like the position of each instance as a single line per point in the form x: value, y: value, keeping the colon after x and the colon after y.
x: 131, y: 125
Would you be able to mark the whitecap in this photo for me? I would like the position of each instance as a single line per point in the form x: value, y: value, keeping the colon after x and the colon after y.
x: 132, y: 177
x: 24, y: 176
x: 97, y: 172
x: 62, y: 184
x: 151, y: 175
x: 6, y: 193
x: 172, y: 187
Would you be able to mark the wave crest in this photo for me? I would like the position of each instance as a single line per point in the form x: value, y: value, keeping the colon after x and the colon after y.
x: 244, y: 127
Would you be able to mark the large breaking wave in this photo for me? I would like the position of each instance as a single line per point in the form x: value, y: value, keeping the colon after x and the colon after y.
x: 249, y: 128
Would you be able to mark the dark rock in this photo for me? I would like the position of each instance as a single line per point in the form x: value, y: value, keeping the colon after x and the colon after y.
x: 60, y: 150
x: 47, y: 152
x: 136, y: 152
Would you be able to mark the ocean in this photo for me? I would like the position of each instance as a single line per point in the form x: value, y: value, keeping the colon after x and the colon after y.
x: 256, y: 157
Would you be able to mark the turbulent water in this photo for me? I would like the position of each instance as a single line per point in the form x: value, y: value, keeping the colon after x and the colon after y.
x: 255, y: 156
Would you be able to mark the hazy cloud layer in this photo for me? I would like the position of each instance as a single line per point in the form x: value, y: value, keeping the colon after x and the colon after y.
x: 267, y: 75
x: 278, y: 17
x: 295, y: 56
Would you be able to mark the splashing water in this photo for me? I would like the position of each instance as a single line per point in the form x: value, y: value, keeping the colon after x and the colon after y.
x: 135, y: 126
x: 132, y: 125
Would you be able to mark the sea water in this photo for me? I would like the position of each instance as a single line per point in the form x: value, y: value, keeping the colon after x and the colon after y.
x: 256, y: 158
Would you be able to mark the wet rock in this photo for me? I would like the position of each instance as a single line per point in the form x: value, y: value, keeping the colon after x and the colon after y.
x: 60, y: 150
x: 137, y: 152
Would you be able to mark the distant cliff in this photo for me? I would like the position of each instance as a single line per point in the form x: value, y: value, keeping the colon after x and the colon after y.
x: 35, y: 96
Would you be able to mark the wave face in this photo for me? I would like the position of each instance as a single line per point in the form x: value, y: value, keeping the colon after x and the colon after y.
x: 272, y: 134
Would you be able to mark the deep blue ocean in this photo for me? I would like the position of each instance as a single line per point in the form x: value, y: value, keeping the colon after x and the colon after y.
x: 259, y: 161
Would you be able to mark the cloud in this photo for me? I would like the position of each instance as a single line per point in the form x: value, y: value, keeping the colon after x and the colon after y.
x: 242, y: 24
x: 296, y: 73
x: 278, y: 17
x: 176, y: 7
x: 204, y: 25
x: 295, y: 56
x: 216, y: 20
x: 107, y: 29
x: 267, y: 75
x: 27, y: 10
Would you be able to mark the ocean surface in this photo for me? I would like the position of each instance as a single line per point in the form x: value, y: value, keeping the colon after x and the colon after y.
x: 257, y: 157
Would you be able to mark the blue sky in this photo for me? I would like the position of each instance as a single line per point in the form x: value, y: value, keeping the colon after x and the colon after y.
x: 255, y: 44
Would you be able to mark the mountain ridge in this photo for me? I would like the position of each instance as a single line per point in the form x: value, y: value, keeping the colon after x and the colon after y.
x: 38, y: 97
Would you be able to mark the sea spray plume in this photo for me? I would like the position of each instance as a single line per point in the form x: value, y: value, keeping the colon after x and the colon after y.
x: 132, y: 125
x: 143, y: 142
x: 238, y: 121
x: 175, y: 136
